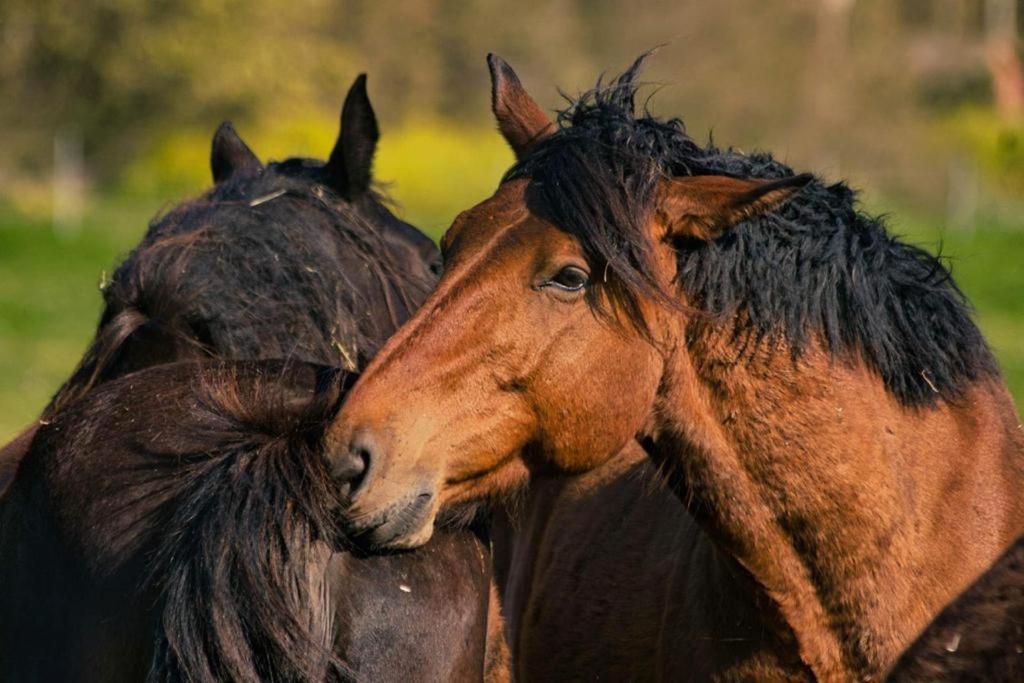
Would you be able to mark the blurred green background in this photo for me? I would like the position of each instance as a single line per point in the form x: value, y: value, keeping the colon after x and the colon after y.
x: 108, y: 107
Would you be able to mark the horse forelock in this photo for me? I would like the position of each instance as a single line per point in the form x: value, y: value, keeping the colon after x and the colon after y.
x: 818, y: 267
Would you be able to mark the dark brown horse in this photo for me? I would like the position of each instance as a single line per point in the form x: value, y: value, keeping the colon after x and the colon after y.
x: 298, y: 260
x: 180, y: 523
x: 812, y: 389
x: 687, y: 611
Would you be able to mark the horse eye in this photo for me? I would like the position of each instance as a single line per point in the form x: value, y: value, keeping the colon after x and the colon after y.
x: 437, y: 265
x: 570, y: 279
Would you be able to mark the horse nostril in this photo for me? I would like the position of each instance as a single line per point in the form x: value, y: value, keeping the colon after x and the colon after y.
x: 352, y: 469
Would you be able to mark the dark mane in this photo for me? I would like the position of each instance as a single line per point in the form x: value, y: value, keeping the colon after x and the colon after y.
x: 225, y: 521
x: 271, y: 266
x: 818, y: 267
x: 253, y: 457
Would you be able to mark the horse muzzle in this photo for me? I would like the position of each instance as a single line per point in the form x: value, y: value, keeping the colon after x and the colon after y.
x: 387, y: 508
x: 404, y: 525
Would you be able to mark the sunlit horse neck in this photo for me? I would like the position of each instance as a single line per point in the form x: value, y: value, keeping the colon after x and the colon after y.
x: 813, y: 389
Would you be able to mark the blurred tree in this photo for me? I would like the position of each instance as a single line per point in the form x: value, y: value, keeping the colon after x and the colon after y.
x: 119, y: 71
x: 846, y: 87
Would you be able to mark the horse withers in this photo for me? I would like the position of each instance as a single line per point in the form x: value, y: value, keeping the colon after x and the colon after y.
x: 296, y: 260
x: 812, y: 389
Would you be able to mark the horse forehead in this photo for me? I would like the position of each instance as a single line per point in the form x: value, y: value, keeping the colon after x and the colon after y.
x: 505, y: 223
x: 490, y: 243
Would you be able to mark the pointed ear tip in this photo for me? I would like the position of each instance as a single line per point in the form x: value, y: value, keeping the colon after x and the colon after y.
x: 500, y: 68
x: 358, y: 108
x: 224, y: 128
x: 357, y: 89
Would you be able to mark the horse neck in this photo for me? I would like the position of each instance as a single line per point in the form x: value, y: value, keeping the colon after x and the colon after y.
x: 859, y: 517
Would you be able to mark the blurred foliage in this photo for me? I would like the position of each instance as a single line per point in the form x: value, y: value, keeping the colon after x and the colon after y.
x: 439, y: 170
x: 118, y: 71
x: 996, y: 146
x: 835, y: 85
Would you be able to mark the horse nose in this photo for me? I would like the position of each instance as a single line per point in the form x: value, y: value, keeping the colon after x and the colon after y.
x: 354, y: 465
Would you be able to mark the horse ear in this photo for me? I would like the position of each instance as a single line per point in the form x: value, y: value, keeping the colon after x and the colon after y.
x: 520, y: 119
x: 351, y: 160
x: 230, y: 156
x: 704, y: 207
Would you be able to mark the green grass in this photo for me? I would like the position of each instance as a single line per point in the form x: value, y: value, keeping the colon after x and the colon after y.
x: 49, y: 298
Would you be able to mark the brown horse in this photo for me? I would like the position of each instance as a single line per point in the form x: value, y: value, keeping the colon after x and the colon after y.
x: 297, y: 259
x: 812, y: 389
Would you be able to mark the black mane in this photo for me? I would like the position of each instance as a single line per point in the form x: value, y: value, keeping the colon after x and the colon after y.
x: 818, y: 267
x: 224, y: 523
x: 270, y: 266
